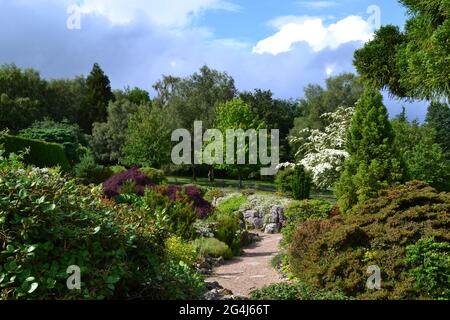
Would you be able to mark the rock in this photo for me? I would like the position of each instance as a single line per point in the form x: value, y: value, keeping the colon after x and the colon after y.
x: 250, y: 214
x: 272, y: 228
x: 257, y: 223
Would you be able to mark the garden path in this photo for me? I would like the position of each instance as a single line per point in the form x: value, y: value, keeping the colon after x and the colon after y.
x: 252, y: 270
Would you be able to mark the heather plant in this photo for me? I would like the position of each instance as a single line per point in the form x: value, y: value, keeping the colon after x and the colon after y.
x: 113, y: 185
x: 334, y: 254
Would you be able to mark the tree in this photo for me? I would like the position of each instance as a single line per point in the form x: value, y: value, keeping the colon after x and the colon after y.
x: 195, y: 98
x: 275, y: 113
x: 423, y: 157
x: 235, y: 115
x: 22, y: 97
x: 413, y: 63
x: 148, y: 143
x: 438, y: 117
x: 109, y: 137
x: 374, y: 162
x: 341, y: 91
x: 323, y: 152
x: 96, y: 100
x: 65, y: 98
x: 136, y: 95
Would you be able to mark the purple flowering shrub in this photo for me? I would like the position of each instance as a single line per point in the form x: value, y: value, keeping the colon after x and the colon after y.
x: 113, y: 185
x: 187, y: 194
x: 190, y: 195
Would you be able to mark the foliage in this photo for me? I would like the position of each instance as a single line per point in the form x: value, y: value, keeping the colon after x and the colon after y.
x: 179, y: 250
x: 300, y: 211
x: 179, y: 216
x: 294, y: 291
x: 300, y: 183
x: 42, y: 154
x: 283, y: 180
x: 213, y: 247
x: 411, y: 63
x: 236, y: 115
x: 343, y: 90
x: 22, y: 97
x: 323, y: 152
x: 214, y: 194
x: 136, y: 96
x: 157, y: 176
x: 49, y: 223
x: 228, y: 229
x: 374, y: 162
x: 334, y: 254
x: 423, y: 157
x: 438, y: 117
x: 88, y: 171
x: 190, y: 195
x: 109, y: 137
x: 112, y: 186
x: 95, y: 103
x: 148, y: 143
x: 232, y: 204
x: 68, y: 135
x: 182, y: 283
x: 431, y: 264
x: 117, y: 169
x: 275, y: 113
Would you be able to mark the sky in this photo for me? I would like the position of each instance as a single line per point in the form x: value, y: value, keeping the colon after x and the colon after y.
x: 281, y: 45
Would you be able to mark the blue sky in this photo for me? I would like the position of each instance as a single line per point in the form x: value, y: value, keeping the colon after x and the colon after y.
x: 279, y: 45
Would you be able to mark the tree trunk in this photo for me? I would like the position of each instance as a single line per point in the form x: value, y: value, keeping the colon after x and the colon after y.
x: 211, y: 174
x: 194, y: 173
x: 240, y: 179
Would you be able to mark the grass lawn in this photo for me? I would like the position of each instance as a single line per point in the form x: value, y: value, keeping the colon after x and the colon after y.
x: 230, y: 184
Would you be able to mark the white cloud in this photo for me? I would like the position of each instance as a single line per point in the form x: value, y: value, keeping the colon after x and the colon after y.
x: 311, y: 30
x: 317, y: 4
x: 162, y: 13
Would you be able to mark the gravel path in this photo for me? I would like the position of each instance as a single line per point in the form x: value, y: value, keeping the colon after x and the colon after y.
x: 252, y: 270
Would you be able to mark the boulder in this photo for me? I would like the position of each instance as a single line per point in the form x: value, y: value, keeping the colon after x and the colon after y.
x: 272, y: 228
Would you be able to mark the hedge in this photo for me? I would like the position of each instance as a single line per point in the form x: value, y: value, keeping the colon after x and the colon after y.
x: 42, y: 154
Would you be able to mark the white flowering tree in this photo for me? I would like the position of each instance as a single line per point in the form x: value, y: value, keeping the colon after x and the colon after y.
x: 323, y: 152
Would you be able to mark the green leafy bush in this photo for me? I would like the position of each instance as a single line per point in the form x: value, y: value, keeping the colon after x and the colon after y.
x: 334, y: 254
x: 42, y: 154
x: 68, y: 135
x: 430, y: 261
x: 156, y: 176
x: 182, y: 282
x: 49, y: 223
x: 299, y: 211
x: 89, y: 171
x: 228, y: 230
x: 180, y: 214
x: 301, y: 183
x: 294, y: 182
x: 180, y: 250
x: 213, y: 247
x: 283, y: 180
x: 294, y: 291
